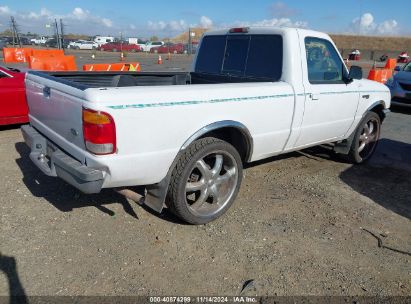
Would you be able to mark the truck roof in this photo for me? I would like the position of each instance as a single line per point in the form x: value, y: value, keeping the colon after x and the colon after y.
x: 268, y: 30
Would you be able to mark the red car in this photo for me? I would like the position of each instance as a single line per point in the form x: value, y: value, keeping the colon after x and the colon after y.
x: 120, y: 47
x: 13, y: 103
x: 169, y: 48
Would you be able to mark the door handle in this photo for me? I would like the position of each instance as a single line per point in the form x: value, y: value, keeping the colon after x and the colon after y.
x: 46, y: 92
x: 314, y: 96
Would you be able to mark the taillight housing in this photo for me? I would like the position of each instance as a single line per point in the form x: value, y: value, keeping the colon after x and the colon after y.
x: 99, y: 132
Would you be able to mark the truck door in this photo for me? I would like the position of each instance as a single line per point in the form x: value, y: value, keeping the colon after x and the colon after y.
x: 330, y: 103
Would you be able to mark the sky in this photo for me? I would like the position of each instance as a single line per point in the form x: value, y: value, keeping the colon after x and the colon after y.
x: 136, y: 18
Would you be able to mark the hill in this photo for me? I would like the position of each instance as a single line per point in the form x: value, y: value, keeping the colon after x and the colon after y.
x: 343, y: 42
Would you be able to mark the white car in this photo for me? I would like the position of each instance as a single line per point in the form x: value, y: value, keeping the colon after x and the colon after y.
x: 83, y: 45
x: 252, y: 93
x: 151, y: 44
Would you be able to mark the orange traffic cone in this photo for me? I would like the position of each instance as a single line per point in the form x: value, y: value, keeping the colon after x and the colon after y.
x: 160, y: 60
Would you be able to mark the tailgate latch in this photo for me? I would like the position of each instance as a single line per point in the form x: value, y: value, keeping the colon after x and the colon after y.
x: 46, y: 92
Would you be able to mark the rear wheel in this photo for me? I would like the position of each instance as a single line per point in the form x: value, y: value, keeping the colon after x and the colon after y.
x: 365, y: 139
x: 205, y: 181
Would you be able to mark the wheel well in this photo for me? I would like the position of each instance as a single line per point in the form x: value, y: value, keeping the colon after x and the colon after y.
x: 235, y: 137
x: 379, y: 109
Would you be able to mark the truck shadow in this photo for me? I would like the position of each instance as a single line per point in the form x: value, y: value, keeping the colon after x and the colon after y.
x: 61, y: 195
x: 66, y: 198
x: 8, y: 265
x: 385, y: 178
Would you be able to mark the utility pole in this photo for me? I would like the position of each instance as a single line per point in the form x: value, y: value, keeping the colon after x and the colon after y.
x: 189, y: 41
x: 56, y: 31
x: 62, y: 33
x: 15, y: 30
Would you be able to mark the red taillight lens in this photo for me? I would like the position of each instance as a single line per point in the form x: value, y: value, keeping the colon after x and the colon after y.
x: 99, y: 132
x: 239, y: 30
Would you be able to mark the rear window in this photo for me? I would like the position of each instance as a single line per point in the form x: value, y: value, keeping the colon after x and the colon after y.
x: 256, y: 56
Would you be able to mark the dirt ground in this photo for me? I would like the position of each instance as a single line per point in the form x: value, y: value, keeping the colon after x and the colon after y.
x: 303, y: 224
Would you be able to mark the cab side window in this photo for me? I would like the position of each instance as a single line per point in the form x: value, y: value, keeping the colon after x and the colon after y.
x: 323, y: 63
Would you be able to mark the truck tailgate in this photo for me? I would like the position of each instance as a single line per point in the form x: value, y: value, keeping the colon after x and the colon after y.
x: 55, y: 109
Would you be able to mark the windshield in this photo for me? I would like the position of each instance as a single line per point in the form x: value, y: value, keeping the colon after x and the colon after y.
x: 407, y: 67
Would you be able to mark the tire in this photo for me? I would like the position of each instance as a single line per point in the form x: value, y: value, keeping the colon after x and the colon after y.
x: 365, y: 139
x: 133, y: 50
x: 102, y: 49
x: 114, y: 50
x: 205, y: 181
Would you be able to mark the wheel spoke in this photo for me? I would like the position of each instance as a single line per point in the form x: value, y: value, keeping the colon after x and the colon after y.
x: 370, y: 127
x: 217, y: 166
x: 226, y: 177
x: 195, y: 186
x: 204, y: 169
x: 201, y: 200
x: 366, y: 129
x: 361, y: 147
x: 214, y: 194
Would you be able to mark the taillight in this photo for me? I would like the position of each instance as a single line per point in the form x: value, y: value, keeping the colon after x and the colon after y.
x: 99, y: 132
x: 239, y: 30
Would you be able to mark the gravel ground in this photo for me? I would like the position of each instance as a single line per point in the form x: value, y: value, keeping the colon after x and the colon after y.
x: 303, y: 224
x: 298, y: 227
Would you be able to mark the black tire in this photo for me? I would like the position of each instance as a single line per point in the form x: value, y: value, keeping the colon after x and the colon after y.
x: 226, y: 181
x: 358, y: 153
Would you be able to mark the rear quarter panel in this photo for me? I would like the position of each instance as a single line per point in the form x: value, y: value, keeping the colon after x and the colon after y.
x: 152, y: 127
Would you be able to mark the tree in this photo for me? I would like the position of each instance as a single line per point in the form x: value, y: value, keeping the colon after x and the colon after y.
x: 153, y: 38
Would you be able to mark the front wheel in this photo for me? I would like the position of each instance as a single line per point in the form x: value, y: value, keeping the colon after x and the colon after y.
x: 365, y: 139
x: 205, y: 181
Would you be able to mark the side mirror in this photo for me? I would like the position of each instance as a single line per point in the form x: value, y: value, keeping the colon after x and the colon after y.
x: 355, y: 72
x: 397, y: 68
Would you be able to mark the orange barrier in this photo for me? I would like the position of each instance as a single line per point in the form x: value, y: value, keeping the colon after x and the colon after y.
x: 14, y: 55
x: 380, y: 75
x: 391, y: 63
x: 59, y: 63
x: 123, y: 67
x: 47, y: 53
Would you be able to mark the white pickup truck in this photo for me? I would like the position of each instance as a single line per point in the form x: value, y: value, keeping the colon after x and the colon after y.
x: 252, y: 93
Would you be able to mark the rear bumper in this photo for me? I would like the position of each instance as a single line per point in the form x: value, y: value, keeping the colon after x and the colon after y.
x: 54, y: 162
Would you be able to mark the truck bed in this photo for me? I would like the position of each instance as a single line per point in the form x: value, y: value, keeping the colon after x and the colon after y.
x: 83, y: 80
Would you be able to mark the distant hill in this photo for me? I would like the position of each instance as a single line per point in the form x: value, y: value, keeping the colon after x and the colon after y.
x: 371, y: 43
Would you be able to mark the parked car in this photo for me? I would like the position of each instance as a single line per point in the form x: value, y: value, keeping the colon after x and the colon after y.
x: 13, y: 104
x: 83, y: 45
x: 23, y: 41
x: 3, y: 43
x: 168, y: 48
x: 151, y: 44
x: 400, y: 86
x: 52, y: 43
x: 120, y: 47
x: 39, y: 41
x: 194, y: 47
x: 185, y: 136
